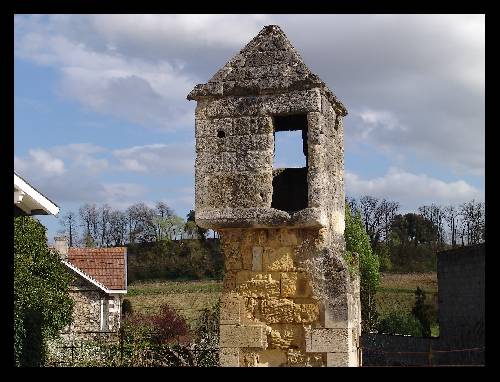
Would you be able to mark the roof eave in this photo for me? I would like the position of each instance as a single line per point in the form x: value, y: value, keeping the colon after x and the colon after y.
x: 92, y: 280
x: 36, y: 197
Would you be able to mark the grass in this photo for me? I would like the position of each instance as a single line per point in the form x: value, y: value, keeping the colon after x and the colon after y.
x: 189, y: 298
x: 397, y: 292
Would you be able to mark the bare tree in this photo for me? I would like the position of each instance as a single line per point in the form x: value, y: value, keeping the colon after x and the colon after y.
x: 103, y: 224
x: 141, y: 224
x: 435, y: 214
x: 377, y: 216
x: 69, y: 222
x: 451, y: 215
x: 117, y: 227
x: 473, y: 222
x: 89, y: 220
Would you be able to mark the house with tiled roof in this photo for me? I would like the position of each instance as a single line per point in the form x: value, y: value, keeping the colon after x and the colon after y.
x: 98, y: 287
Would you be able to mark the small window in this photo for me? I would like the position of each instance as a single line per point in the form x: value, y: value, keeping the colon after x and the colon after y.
x: 290, y: 163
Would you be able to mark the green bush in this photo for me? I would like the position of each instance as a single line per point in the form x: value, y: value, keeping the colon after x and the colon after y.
x: 42, y: 304
x: 358, y: 241
x: 397, y: 322
x: 423, y: 312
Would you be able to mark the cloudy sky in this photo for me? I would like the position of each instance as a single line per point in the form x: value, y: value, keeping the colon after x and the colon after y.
x: 101, y: 113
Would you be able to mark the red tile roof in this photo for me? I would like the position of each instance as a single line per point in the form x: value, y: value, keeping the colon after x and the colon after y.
x: 105, y: 265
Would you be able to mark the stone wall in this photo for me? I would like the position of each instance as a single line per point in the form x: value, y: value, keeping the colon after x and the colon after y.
x: 86, y: 319
x: 461, y: 341
x: 461, y: 293
x: 270, y: 313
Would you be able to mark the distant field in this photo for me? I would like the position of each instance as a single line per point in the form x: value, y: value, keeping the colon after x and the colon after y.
x: 189, y: 298
x: 397, y: 292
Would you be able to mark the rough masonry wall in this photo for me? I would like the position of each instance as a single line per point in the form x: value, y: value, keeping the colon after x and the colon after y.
x: 289, y: 296
x: 270, y: 313
x: 297, y: 303
x: 86, y: 319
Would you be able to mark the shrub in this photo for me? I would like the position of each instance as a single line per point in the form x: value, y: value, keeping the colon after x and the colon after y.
x: 397, y: 322
x: 162, y: 328
x: 168, y: 326
x: 127, y: 309
x: 42, y: 304
x: 358, y: 241
x: 423, y: 312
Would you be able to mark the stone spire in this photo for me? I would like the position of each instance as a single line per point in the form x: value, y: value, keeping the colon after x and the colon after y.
x: 267, y: 64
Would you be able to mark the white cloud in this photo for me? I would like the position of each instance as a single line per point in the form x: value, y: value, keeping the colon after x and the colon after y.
x: 411, y: 190
x: 378, y: 119
x: 41, y: 162
x: 83, y: 156
x: 413, y: 84
x: 175, y: 158
x: 120, y: 195
x: 140, y: 91
x: 197, y: 29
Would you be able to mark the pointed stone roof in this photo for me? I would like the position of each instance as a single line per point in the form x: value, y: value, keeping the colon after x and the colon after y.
x: 268, y: 64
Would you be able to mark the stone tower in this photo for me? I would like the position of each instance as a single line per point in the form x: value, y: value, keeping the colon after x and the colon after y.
x: 290, y: 298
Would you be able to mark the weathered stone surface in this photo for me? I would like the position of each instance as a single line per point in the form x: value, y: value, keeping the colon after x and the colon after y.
x: 255, y: 284
x: 285, y: 336
x: 231, y: 308
x: 342, y: 359
x: 257, y: 259
x: 229, y: 357
x: 278, y: 259
x: 295, y: 284
x: 281, y: 229
x: 276, y: 310
x: 329, y: 340
x: 245, y: 336
x: 296, y: 357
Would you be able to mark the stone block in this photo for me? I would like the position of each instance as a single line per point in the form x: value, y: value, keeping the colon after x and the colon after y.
x: 271, y: 358
x: 342, y: 359
x: 255, y: 284
x: 280, y: 259
x: 243, y: 336
x: 285, y: 336
x: 306, y: 313
x: 297, y: 357
x: 229, y: 282
x: 284, y: 310
x: 257, y: 259
x: 295, y: 284
x: 229, y: 357
x: 231, y: 308
x: 288, y: 237
x: 331, y: 340
x: 344, y: 312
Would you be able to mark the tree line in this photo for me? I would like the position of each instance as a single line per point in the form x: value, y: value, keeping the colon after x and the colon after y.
x: 410, y: 241
x: 104, y: 226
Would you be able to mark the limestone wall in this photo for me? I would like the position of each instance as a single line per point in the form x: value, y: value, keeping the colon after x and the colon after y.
x: 274, y: 311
